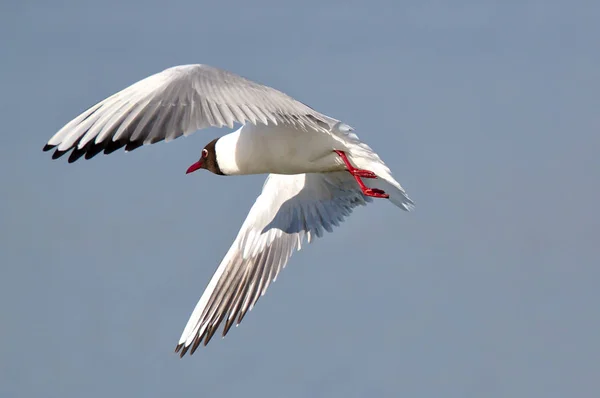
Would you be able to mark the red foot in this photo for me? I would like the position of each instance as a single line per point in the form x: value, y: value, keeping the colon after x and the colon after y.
x: 375, y: 193
x: 358, y: 173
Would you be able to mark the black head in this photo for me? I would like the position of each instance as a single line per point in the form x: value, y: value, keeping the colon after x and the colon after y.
x: 208, y: 160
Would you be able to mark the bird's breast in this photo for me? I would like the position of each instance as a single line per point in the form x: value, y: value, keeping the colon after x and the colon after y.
x: 280, y: 150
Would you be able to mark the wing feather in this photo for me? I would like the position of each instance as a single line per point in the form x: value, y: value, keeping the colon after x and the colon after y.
x: 176, y: 102
x: 289, y: 209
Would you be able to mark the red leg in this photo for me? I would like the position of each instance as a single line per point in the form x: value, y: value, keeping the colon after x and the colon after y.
x: 353, y: 170
x: 358, y: 173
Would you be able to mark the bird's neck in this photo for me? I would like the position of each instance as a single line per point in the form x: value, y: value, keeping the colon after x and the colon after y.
x: 227, y: 153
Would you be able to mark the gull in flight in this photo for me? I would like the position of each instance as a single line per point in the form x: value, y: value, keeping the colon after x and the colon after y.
x: 318, y: 171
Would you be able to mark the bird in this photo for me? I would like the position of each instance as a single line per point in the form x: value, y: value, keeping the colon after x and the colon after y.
x: 318, y: 171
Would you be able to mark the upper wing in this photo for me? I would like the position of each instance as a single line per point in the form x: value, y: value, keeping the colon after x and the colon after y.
x: 176, y: 102
x: 290, y: 208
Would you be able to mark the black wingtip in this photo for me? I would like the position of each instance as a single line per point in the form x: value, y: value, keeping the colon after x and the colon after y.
x: 47, y: 147
x: 195, y: 345
x: 228, y: 324
x: 58, y: 154
x: 111, y: 146
x: 133, y: 145
x: 183, y: 351
x: 76, y: 154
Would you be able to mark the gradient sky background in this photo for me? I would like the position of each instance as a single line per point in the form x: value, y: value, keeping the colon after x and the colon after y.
x: 486, y: 111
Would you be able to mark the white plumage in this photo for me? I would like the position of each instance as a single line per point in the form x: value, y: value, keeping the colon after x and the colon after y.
x: 316, y: 163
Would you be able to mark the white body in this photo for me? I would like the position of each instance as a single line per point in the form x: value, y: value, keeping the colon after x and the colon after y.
x: 261, y: 149
x: 264, y: 149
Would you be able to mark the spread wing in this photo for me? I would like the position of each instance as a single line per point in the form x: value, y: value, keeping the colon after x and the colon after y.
x: 290, y: 208
x: 178, y: 101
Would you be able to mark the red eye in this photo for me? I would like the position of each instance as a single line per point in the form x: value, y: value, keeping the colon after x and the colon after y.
x: 204, y: 153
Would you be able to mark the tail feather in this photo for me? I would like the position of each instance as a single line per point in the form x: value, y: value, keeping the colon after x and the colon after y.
x: 397, y: 194
x: 362, y: 156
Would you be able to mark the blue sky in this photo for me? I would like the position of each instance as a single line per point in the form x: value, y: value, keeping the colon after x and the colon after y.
x: 485, y: 111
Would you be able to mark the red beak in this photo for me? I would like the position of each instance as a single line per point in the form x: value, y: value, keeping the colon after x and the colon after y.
x: 194, y: 167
